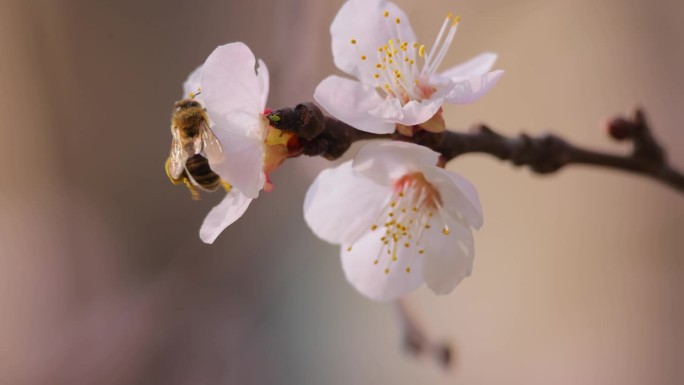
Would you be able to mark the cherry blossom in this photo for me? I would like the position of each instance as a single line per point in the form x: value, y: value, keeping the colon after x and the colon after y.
x: 234, y: 95
x: 400, y: 220
x: 398, y: 86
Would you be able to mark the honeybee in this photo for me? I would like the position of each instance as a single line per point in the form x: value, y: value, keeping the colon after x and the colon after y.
x: 192, y: 144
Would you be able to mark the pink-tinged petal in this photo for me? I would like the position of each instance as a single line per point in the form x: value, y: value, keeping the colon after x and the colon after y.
x: 364, y: 22
x: 231, y: 91
x: 412, y: 113
x: 467, y: 91
x: 191, y: 86
x: 264, y: 79
x: 242, y: 162
x: 448, y: 258
x: 340, y: 205
x: 459, y: 196
x: 350, y: 101
x: 371, y: 279
x: 385, y: 162
x: 223, y: 215
x: 477, y: 66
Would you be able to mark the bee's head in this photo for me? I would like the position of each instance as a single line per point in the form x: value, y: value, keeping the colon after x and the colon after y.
x: 187, y: 103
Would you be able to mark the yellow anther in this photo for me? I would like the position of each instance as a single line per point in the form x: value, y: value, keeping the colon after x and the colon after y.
x: 406, y: 59
x: 398, y: 75
x: 376, y: 76
x: 401, y: 194
x: 349, y: 248
x: 408, y: 269
x: 397, y: 20
x: 450, y: 15
x: 363, y: 57
x: 415, y: 45
x: 379, y: 49
x: 407, y: 244
x: 375, y: 262
x: 411, y: 63
x: 445, y: 231
x: 391, y: 214
x: 394, y: 258
x: 378, y: 65
x: 387, y: 271
x: 386, y: 13
x: 421, y: 251
x: 421, y: 51
x: 393, y: 204
x: 456, y: 20
x: 353, y: 41
x: 374, y: 227
x: 427, y: 226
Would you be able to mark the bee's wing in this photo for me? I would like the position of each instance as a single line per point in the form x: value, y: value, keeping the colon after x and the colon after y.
x: 178, y: 156
x: 212, y: 146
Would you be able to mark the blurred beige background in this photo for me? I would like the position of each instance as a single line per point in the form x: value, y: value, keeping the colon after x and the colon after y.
x: 103, y: 279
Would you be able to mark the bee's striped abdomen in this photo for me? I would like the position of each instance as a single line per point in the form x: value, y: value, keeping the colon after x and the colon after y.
x: 198, y: 167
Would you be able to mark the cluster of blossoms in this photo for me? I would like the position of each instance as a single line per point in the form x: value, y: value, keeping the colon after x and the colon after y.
x: 399, y: 218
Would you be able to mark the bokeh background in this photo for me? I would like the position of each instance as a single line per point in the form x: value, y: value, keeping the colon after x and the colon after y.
x: 579, y: 276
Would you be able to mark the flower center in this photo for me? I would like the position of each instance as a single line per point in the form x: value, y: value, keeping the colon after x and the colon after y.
x: 409, y: 215
x: 401, y: 68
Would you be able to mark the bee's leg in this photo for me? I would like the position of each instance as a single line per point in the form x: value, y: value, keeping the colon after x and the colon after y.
x: 193, y: 190
x: 226, y: 186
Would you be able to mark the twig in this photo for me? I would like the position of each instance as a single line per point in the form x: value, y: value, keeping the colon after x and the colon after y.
x: 416, y: 341
x: 544, y: 154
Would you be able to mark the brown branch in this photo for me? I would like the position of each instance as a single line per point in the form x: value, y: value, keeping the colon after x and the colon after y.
x: 544, y: 154
x: 416, y: 341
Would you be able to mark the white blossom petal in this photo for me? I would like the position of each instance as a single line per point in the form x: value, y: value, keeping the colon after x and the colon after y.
x: 449, y: 258
x: 459, y: 196
x: 364, y: 22
x: 192, y: 84
x: 469, y: 90
x: 341, y: 205
x: 242, y: 162
x: 479, y: 65
x: 385, y: 162
x: 413, y: 112
x: 371, y: 279
x: 264, y: 79
x: 223, y: 215
x: 231, y: 91
x: 350, y: 101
